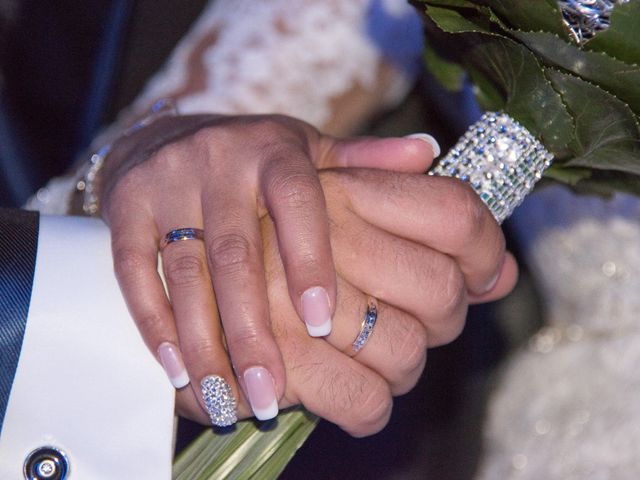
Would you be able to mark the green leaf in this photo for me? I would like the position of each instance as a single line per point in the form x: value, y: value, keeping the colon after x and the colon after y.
x: 449, y: 74
x: 248, y: 452
x: 530, y: 97
x: 616, y: 77
x: 451, y: 21
x: 607, y: 183
x: 622, y: 39
x: 530, y: 15
x: 448, y: 3
x: 570, y: 176
x: 487, y: 94
x: 607, y: 136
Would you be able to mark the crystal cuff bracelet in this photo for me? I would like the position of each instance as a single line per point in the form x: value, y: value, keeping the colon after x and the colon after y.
x: 500, y: 159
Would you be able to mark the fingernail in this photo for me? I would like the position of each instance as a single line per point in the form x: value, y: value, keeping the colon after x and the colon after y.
x: 219, y: 401
x: 492, y: 283
x: 262, y: 393
x: 494, y: 280
x: 425, y: 137
x: 171, y: 360
x: 316, y: 311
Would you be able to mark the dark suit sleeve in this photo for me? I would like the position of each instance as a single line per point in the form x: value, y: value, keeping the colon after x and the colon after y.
x: 18, y: 247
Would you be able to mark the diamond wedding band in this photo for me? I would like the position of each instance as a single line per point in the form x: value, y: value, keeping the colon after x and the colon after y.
x: 366, y: 327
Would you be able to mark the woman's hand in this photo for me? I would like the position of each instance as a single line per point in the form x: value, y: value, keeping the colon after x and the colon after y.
x: 425, y: 247
x: 224, y: 174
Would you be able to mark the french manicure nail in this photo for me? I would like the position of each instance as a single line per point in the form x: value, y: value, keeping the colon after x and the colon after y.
x: 316, y: 311
x: 219, y: 401
x: 261, y: 392
x: 171, y: 360
x: 425, y: 137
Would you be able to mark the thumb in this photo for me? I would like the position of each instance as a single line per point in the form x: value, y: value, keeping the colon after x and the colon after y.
x: 413, y: 153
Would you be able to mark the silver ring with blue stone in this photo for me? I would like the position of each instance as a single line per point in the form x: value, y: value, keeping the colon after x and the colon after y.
x: 180, y: 234
x: 366, y: 327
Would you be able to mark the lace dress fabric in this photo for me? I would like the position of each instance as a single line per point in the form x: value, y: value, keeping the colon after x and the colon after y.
x: 291, y: 57
x: 568, y: 405
x: 304, y: 58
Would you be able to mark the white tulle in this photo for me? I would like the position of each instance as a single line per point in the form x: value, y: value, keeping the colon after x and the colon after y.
x: 568, y: 406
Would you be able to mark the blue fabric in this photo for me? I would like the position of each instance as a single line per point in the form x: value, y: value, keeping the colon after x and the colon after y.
x: 557, y: 206
x: 400, y: 39
x: 18, y: 248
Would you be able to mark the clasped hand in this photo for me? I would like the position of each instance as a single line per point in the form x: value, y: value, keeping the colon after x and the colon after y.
x: 297, y: 226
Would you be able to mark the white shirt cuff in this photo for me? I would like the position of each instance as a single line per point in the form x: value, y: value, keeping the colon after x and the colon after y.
x: 85, y: 381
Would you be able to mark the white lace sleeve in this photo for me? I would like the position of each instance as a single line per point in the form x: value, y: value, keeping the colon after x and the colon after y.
x: 296, y: 57
x: 332, y: 63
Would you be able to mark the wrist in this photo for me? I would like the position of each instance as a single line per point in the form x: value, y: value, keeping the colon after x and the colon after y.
x: 89, y: 184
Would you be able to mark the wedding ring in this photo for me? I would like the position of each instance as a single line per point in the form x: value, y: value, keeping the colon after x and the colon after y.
x: 500, y: 159
x: 180, y: 234
x: 366, y: 328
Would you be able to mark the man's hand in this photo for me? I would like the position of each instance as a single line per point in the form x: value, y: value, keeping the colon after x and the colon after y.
x: 424, y: 247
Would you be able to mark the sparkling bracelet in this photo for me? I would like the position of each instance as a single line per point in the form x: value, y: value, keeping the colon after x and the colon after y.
x: 500, y: 159
x: 86, y: 185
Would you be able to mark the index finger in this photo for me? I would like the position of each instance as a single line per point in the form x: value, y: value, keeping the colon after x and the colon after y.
x: 413, y: 153
x: 438, y: 212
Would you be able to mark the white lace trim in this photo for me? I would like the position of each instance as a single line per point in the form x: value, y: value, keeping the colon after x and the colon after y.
x: 280, y: 56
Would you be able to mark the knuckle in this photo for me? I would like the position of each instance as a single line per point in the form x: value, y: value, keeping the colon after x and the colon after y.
x: 170, y: 158
x: 413, y: 350
x: 128, y: 262
x: 373, y: 410
x: 468, y: 214
x: 454, y: 290
x: 243, y: 340
x: 449, y: 313
x: 270, y: 125
x: 308, y: 262
x: 150, y: 322
x: 186, y: 270
x: 449, y: 331
x: 206, y: 135
x: 205, y: 349
x: 295, y: 190
x: 229, y: 253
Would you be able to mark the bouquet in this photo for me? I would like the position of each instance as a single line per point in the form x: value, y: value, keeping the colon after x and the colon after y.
x: 567, y: 71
